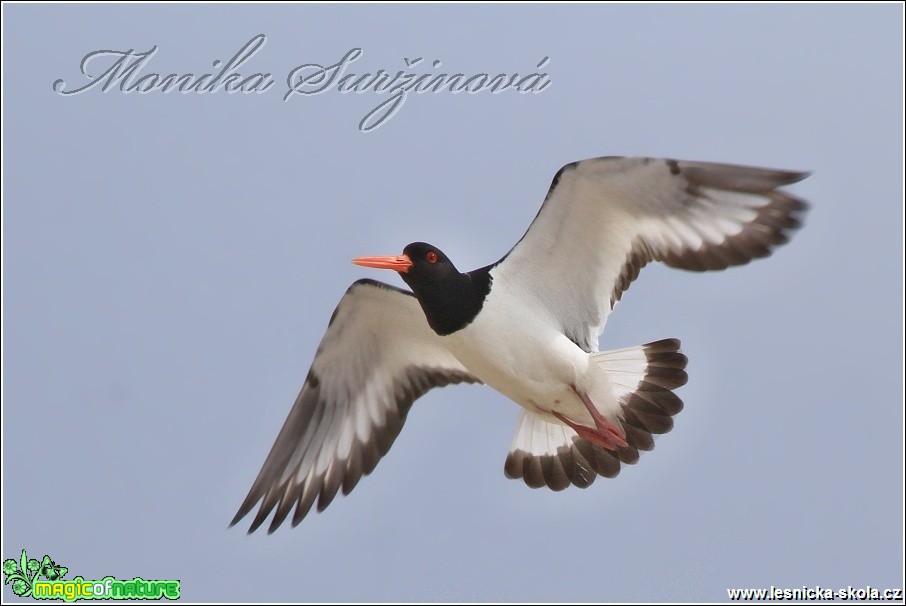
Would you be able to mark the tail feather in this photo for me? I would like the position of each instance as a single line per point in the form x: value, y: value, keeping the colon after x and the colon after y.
x: 548, y: 453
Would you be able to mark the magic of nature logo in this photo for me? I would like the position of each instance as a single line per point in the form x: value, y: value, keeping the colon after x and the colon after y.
x: 44, y: 580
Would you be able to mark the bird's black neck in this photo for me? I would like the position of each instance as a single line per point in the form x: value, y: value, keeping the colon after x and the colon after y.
x: 451, y: 304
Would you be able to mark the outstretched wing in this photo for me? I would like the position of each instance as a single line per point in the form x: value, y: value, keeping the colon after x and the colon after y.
x: 377, y: 357
x: 606, y: 218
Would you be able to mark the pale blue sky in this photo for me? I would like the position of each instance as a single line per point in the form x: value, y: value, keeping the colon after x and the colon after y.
x: 171, y: 262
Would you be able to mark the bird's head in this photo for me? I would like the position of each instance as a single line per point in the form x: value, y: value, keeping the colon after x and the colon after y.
x: 422, y: 266
x: 450, y: 299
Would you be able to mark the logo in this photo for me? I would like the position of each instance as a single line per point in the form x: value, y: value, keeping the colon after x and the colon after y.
x: 44, y: 580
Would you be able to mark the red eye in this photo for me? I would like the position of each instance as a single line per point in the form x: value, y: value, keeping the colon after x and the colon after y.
x: 431, y: 257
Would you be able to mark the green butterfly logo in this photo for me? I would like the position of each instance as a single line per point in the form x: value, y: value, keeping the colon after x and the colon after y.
x: 51, y: 571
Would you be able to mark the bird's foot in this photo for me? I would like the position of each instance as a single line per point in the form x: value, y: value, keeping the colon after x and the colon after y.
x: 605, y: 433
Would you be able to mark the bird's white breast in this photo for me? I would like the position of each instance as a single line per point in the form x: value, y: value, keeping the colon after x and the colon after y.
x: 516, y: 347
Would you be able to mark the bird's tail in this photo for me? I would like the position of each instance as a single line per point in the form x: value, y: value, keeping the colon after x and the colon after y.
x: 545, y: 452
x: 643, y: 379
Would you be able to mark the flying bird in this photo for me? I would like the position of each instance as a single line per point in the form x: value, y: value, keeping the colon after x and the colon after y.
x: 527, y: 326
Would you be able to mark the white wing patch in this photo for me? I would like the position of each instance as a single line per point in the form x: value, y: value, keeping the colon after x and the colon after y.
x: 605, y: 219
x: 376, y: 358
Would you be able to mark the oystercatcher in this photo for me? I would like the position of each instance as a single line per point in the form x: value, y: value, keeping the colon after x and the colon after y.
x: 528, y: 326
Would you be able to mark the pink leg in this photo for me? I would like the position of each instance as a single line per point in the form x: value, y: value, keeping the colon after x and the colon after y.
x: 587, y: 433
x: 604, y: 433
x: 602, y: 424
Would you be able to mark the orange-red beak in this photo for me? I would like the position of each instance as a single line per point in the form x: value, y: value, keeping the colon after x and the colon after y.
x: 401, y: 263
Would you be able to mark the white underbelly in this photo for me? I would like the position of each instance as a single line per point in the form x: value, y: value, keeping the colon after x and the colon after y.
x: 530, y: 362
